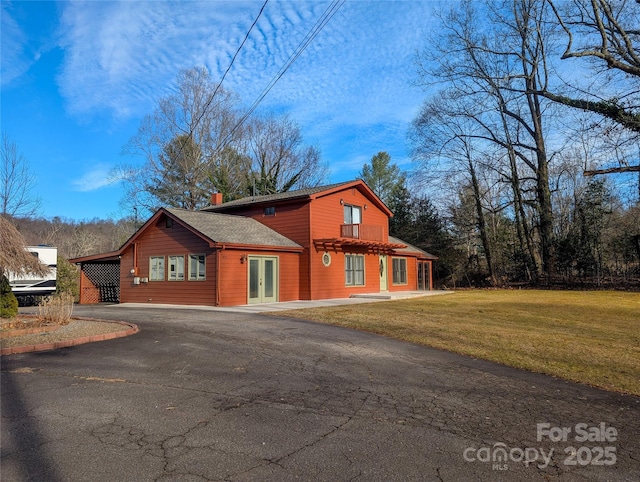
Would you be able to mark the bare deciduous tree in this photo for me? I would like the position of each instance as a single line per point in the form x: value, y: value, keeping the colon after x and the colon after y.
x: 17, y: 182
x: 495, y: 58
x: 196, y: 143
x: 280, y: 161
x: 605, y: 36
x: 443, y: 133
x: 189, y: 128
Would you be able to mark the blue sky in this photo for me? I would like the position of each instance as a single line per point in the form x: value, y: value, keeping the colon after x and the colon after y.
x: 77, y: 77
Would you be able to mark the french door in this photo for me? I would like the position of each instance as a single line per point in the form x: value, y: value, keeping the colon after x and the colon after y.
x: 424, y: 276
x: 263, y: 279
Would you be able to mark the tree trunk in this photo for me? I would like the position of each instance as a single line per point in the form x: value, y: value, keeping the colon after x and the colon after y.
x: 543, y: 192
x: 545, y: 214
x: 482, y: 226
x: 522, y: 230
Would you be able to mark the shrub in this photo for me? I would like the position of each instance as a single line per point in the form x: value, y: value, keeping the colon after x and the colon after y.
x: 14, y: 324
x: 56, y: 309
x: 8, y: 301
x: 68, y: 278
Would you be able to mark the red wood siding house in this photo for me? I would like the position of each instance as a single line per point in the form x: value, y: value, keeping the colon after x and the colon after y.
x: 317, y: 243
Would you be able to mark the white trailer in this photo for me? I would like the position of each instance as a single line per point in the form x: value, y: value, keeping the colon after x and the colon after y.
x: 28, y: 287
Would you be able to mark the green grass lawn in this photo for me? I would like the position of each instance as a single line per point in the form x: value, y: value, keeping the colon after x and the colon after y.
x: 590, y: 337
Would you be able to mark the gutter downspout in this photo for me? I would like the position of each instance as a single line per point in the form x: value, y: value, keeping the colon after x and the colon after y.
x: 309, y: 253
x: 217, y: 286
x: 135, y: 259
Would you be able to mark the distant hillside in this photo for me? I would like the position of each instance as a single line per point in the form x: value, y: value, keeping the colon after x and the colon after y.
x: 76, y: 238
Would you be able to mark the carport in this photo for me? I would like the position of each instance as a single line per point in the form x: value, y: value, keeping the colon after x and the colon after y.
x: 99, y: 278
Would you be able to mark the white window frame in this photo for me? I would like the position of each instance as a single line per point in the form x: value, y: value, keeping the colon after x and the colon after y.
x: 200, y: 271
x: 156, y: 268
x: 176, y: 268
x: 351, y: 271
x: 350, y: 218
x: 399, y: 270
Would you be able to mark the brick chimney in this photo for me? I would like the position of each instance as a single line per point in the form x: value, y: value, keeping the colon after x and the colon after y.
x: 216, y: 198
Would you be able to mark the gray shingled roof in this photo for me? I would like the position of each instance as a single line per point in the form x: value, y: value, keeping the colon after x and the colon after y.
x: 300, y: 193
x: 410, y: 248
x: 225, y: 228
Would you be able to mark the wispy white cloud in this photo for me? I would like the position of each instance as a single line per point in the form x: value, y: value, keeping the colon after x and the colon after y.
x: 361, y: 63
x: 98, y: 177
x: 122, y: 56
x: 15, y: 62
x: 355, y: 77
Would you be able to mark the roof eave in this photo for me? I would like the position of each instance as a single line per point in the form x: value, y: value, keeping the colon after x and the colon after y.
x: 154, y: 219
x: 222, y: 208
x: 110, y: 256
x: 260, y: 247
x: 358, y: 183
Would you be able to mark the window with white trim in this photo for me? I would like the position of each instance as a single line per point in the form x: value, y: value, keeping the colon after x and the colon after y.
x: 156, y: 268
x: 352, y: 214
x: 176, y: 268
x: 399, y: 268
x: 197, y: 267
x: 354, y: 269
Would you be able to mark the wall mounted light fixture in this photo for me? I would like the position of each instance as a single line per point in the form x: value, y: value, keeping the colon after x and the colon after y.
x: 342, y: 201
x: 243, y: 258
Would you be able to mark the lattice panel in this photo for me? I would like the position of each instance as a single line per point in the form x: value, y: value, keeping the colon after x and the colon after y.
x: 90, y: 295
x: 106, y: 278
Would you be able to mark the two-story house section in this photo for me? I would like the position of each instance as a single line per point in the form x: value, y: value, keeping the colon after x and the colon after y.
x: 316, y: 243
x: 344, y: 231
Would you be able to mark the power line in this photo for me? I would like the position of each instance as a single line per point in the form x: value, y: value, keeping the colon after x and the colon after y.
x: 311, y: 35
x: 182, y: 142
x: 233, y: 59
x: 239, y: 49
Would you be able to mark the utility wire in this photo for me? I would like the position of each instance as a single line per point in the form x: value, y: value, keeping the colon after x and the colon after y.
x: 311, y: 35
x: 320, y: 24
x: 239, y: 49
x: 208, y: 103
x: 189, y: 136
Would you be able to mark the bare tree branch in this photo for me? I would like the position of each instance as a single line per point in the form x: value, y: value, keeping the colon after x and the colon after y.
x: 16, y: 182
x: 611, y: 110
x: 611, y: 170
x: 608, y: 34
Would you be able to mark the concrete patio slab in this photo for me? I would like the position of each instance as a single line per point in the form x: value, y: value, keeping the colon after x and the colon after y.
x: 296, y: 305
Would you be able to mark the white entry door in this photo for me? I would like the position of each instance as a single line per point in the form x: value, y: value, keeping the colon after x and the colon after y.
x: 263, y: 279
x: 384, y: 274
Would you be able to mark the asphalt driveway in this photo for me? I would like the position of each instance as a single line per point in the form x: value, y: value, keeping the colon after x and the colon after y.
x: 212, y: 395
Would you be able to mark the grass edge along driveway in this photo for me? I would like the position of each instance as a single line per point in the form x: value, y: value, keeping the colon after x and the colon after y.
x: 590, y: 337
